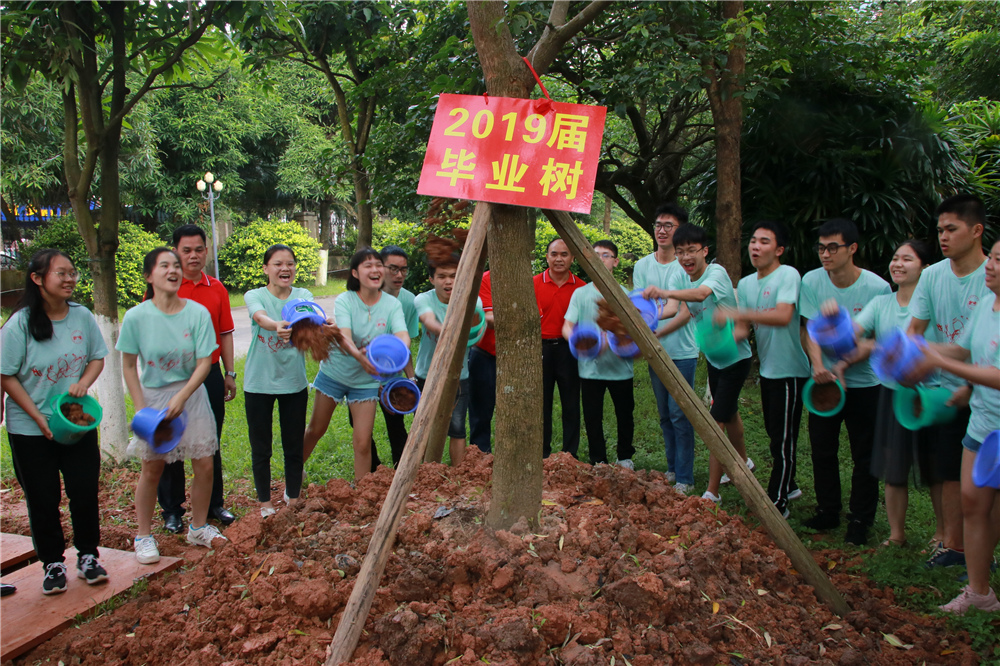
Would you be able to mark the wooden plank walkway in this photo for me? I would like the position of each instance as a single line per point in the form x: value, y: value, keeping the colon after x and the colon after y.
x: 14, y: 549
x: 31, y: 618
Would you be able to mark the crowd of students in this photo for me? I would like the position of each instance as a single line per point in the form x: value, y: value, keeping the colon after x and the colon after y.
x: 173, y: 342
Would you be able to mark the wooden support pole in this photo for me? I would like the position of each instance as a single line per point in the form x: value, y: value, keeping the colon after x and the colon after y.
x: 697, y: 414
x: 429, y: 424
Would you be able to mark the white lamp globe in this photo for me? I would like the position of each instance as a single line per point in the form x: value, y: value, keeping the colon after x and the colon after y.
x: 209, y: 177
x: 202, y: 186
x: 217, y: 186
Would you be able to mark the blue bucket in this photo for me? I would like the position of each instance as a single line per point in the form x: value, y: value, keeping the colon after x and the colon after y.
x: 621, y: 348
x: 582, y: 333
x: 147, y: 420
x: 986, y: 468
x: 395, y: 384
x: 648, y: 309
x: 835, y: 335
x: 896, y: 355
x: 300, y: 309
x: 388, y: 354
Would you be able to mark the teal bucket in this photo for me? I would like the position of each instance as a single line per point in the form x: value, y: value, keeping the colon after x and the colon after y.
x: 808, y: 398
x: 923, y: 406
x: 65, y: 431
x: 716, y: 342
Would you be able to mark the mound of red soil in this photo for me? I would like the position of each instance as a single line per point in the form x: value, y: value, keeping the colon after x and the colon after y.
x: 620, y: 567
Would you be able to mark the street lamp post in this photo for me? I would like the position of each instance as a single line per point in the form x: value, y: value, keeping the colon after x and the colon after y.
x: 210, y: 188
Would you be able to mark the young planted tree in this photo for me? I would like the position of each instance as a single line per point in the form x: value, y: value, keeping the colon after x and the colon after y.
x: 89, y: 49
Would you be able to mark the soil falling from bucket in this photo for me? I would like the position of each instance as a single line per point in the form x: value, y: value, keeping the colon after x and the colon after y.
x: 163, y: 433
x: 308, y: 336
x: 73, y: 411
x: 586, y: 344
x: 609, y: 321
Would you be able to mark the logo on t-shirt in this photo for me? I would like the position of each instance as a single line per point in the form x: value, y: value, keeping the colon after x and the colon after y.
x: 77, y: 336
x: 858, y: 307
x: 973, y: 301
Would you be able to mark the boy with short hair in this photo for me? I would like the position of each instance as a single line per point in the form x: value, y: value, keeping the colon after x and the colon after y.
x: 768, y: 300
x: 851, y: 287
x: 431, y: 308
x: 704, y: 288
x: 607, y: 372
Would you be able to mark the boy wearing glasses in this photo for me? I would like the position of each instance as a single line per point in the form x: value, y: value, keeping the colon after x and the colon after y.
x: 705, y: 288
x: 608, y: 372
x: 677, y: 339
x: 948, y: 294
x: 851, y: 287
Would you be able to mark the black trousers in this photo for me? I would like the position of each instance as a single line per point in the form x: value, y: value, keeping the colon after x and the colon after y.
x: 395, y: 428
x: 781, y: 401
x: 37, y: 464
x: 482, y: 397
x: 560, y: 368
x: 858, y: 415
x: 170, y: 492
x: 592, y: 394
x: 292, y: 420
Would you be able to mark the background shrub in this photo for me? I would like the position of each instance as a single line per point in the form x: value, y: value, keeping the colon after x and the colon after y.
x: 241, y: 258
x: 133, y: 244
x: 628, y: 236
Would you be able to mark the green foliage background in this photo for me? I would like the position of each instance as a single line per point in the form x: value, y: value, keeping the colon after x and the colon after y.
x: 133, y: 241
x: 241, y: 258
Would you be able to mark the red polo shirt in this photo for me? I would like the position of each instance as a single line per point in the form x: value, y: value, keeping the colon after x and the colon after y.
x: 489, y: 342
x: 209, y: 292
x: 553, y: 301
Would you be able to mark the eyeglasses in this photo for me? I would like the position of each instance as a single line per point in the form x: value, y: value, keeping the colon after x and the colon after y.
x: 605, y: 255
x: 832, y: 248
x: 398, y: 270
x: 63, y: 275
x: 664, y: 227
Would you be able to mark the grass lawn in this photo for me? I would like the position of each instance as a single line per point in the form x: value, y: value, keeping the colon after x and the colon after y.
x: 899, y: 568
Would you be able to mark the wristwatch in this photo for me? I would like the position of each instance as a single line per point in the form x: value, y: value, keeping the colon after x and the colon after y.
x: 231, y: 374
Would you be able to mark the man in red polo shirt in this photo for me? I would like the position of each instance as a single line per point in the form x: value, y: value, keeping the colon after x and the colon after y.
x: 192, y: 247
x: 553, y: 289
x: 483, y: 375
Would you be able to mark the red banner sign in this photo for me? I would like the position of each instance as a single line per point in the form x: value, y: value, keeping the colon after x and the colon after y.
x: 525, y: 152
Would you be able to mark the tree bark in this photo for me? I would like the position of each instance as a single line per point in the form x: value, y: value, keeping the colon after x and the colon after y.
x: 727, y: 112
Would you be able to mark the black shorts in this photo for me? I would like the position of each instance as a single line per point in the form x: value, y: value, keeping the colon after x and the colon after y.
x: 946, y: 447
x: 726, y: 384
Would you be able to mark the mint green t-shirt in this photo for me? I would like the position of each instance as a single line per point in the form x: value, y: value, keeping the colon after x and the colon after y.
x: 50, y: 367
x: 273, y: 366
x: 365, y: 323
x: 608, y: 365
x: 405, y: 298
x: 168, y: 346
x: 982, y: 339
x: 879, y: 317
x: 429, y: 302
x: 817, y: 289
x: 947, y: 302
x: 779, y: 348
x: 680, y: 344
x: 715, y: 278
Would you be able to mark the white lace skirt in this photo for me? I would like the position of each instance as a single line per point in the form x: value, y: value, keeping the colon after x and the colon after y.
x: 199, y: 439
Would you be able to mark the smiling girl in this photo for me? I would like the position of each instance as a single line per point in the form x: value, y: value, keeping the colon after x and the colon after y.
x: 362, y: 313
x: 175, y: 339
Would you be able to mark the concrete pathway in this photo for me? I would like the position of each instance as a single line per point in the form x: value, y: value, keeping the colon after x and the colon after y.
x: 241, y: 336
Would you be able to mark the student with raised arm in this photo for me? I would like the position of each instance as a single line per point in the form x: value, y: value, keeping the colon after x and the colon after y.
x: 363, y: 312
x: 769, y: 301
x: 947, y: 294
x: 677, y: 339
x: 705, y: 287
x: 852, y: 288
x: 174, y: 339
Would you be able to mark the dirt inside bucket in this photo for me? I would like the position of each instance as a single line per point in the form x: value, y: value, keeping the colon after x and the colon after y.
x: 585, y: 344
x: 310, y: 337
x: 825, y: 397
x: 73, y: 411
x: 163, y: 433
x: 918, y: 406
x: 402, y: 398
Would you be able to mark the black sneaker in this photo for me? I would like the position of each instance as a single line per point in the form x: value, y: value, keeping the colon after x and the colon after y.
x: 89, y: 569
x: 823, y: 521
x: 946, y: 557
x: 857, y: 533
x: 55, y: 578
x: 6, y: 590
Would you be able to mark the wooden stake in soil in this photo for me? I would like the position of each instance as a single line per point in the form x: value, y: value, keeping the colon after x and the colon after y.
x: 703, y: 423
x: 429, y: 427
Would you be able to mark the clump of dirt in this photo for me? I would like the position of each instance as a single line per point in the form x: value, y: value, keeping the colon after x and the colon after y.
x: 825, y: 397
x: 441, y: 252
x: 586, y: 344
x: 609, y: 321
x: 619, y: 566
x: 73, y: 411
x: 163, y: 433
x: 402, y: 398
x: 314, y: 339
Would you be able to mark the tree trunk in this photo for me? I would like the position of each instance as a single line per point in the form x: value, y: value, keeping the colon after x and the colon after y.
x: 325, y: 221
x: 362, y: 195
x: 517, y: 462
x: 607, y: 216
x: 727, y: 112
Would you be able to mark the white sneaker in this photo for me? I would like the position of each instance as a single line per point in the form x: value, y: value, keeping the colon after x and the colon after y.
x: 750, y: 466
x: 202, y: 536
x: 683, y: 488
x: 146, y: 550
x: 795, y: 494
x: 267, y: 512
x: 709, y: 496
x: 285, y: 497
x: 627, y: 463
x: 671, y: 477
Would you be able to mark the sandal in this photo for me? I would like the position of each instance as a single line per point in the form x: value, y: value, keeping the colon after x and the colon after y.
x: 892, y: 542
